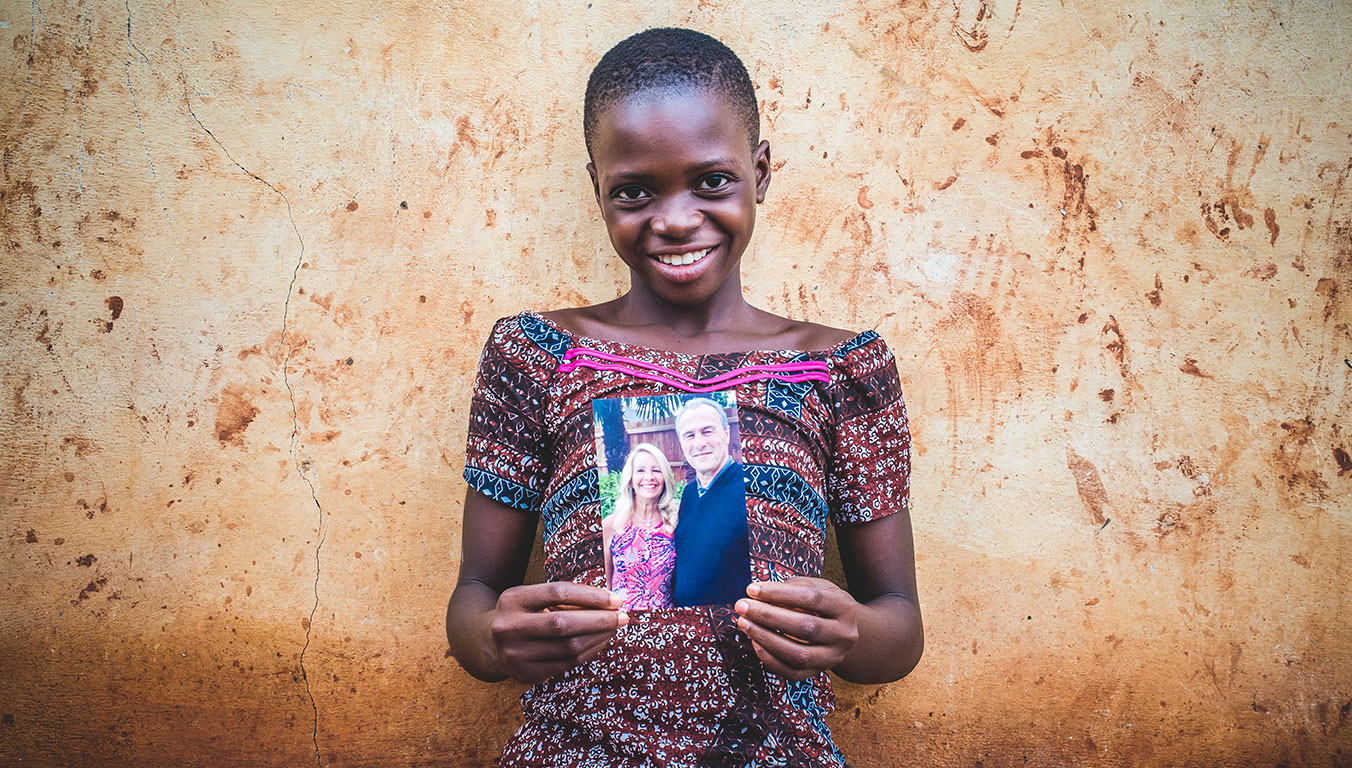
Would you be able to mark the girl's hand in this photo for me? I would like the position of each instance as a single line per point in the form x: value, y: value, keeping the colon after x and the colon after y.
x: 799, y: 627
x: 540, y: 630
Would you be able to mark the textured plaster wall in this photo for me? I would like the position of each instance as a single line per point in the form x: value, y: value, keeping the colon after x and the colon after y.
x: 251, y: 250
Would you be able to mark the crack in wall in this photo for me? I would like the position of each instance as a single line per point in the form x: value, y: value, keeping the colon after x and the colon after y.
x: 131, y: 41
x: 303, y: 466
x: 145, y: 144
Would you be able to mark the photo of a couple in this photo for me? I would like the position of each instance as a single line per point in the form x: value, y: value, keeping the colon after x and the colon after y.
x: 674, y: 529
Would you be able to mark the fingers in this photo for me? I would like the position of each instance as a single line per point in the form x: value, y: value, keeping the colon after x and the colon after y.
x: 532, y: 652
x: 573, y: 650
x: 799, y: 627
x: 819, y: 645
x: 521, y: 627
x: 573, y: 622
x: 803, y: 627
x: 802, y: 594
x: 559, y: 594
x: 809, y: 610
x: 542, y: 630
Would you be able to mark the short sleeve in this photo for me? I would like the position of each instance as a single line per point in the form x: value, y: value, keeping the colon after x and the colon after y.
x: 870, y: 474
x: 508, y: 452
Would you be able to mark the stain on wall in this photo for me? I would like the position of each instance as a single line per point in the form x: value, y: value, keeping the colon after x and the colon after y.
x: 252, y: 250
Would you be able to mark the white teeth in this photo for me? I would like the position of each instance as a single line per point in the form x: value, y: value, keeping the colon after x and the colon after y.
x: 684, y: 258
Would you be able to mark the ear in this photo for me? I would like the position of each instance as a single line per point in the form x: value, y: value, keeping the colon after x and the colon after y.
x: 761, y: 160
x: 596, y: 184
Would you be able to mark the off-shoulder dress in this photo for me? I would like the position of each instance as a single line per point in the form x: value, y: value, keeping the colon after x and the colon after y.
x: 824, y: 438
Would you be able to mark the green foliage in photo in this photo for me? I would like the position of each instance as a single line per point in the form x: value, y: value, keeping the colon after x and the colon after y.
x: 610, y: 486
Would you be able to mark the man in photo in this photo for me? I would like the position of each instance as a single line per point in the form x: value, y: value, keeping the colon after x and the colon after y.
x: 713, y: 558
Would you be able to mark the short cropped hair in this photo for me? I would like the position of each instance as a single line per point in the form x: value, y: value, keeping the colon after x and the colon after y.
x: 701, y: 402
x: 669, y: 57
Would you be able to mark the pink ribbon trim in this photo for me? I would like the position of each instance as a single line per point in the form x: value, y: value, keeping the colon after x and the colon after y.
x: 806, y: 370
x: 570, y: 358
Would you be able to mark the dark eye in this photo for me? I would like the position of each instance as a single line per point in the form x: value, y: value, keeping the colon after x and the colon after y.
x: 715, y: 181
x: 629, y: 194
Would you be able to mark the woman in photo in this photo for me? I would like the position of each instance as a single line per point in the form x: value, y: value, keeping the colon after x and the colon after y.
x: 638, y: 536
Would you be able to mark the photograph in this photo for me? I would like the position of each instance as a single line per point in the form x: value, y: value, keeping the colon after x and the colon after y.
x: 673, y: 499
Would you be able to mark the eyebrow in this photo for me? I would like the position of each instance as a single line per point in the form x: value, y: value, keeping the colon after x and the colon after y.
x: 707, y: 164
x: 629, y: 176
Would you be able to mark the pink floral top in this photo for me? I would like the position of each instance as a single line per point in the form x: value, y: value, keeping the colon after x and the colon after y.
x: 644, y: 561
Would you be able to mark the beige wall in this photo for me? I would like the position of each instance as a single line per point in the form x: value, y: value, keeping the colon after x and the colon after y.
x: 251, y: 251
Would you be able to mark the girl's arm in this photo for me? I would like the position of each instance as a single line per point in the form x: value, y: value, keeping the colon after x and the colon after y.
x: 870, y: 634
x: 499, y: 629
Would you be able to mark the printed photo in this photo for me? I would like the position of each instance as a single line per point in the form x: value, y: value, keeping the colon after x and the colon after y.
x: 673, y: 499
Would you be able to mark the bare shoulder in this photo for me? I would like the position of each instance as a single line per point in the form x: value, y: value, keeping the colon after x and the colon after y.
x: 572, y: 319
x: 594, y: 321
x: 824, y: 336
x: 800, y: 334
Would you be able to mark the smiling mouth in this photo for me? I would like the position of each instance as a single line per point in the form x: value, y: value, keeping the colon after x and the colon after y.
x: 684, y: 259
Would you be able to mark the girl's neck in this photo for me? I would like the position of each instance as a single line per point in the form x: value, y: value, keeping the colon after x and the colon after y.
x: 725, y: 311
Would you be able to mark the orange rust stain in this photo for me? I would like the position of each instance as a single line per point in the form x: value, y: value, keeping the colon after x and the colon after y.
x: 1116, y: 345
x: 1343, y: 461
x: 83, y: 446
x: 1263, y: 272
x: 1189, y: 367
x: 1089, y: 485
x: 1154, y: 296
x: 234, y: 415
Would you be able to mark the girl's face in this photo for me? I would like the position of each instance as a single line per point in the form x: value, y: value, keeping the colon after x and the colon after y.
x: 678, y: 186
x: 648, y: 481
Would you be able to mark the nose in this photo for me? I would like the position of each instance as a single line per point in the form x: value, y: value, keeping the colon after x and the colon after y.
x: 676, y: 220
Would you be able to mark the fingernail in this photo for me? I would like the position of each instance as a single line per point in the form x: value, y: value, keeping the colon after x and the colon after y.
x: 742, y: 623
x: 624, y: 618
x: 753, y: 590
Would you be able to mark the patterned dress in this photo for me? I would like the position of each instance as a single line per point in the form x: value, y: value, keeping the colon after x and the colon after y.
x: 683, y: 687
x: 644, y: 560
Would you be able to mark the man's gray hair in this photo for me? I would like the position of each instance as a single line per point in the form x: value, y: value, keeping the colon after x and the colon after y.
x: 697, y: 402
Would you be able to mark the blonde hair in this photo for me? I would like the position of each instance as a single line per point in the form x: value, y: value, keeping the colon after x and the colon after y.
x: 666, y: 503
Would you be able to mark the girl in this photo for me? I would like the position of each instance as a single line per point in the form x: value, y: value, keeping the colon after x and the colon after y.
x: 678, y: 168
